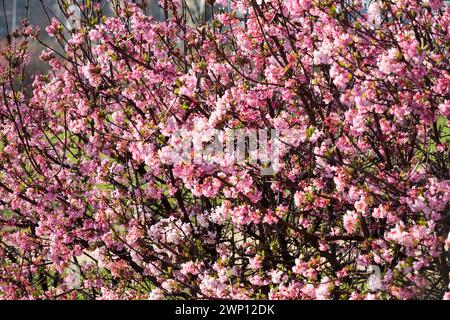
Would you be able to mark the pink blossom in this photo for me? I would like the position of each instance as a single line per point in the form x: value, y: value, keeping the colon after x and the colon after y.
x: 435, y: 4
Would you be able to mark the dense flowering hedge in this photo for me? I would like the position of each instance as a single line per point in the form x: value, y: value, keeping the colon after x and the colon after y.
x: 92, y: 209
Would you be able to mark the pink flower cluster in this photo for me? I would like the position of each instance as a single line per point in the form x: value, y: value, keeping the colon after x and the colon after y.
x: 91, y: 207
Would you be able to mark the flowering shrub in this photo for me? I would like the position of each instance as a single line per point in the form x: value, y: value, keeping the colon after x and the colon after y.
x: 93, y: 208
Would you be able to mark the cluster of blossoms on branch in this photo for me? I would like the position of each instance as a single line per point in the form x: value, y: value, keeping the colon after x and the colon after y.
x: 358, y: 94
